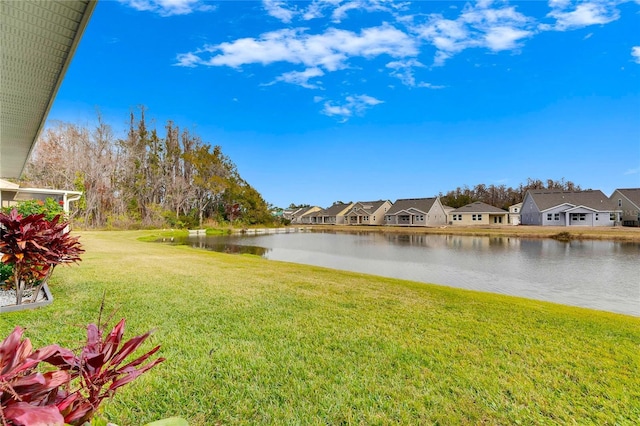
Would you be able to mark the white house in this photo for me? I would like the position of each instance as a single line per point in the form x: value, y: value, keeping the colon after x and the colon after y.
x: 547, y: 207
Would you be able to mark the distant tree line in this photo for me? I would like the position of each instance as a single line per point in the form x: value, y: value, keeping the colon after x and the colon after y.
x: 502, y: 196
x: 144, y: 179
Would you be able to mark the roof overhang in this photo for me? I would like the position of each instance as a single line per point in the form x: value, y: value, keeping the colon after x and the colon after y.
x: 37, y: 42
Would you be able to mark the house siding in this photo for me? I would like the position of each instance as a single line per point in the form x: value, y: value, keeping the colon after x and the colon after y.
x: 630, y: 211
x: 529, y: 213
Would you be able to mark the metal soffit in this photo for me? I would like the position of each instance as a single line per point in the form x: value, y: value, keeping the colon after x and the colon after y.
x: 37, y: 42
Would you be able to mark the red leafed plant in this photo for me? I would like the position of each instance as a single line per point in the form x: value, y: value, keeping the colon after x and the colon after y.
x: 71, y: 388
x: 34, y: 246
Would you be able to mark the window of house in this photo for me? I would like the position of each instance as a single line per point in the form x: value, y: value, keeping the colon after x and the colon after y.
x: 619, y: 202
x: 479, y: 217
x: 473, y: 217
x: 612, y: 216
x: 596, y: 216
x: 549, y: 216
x: 578, y: 216
x: 556, y: 216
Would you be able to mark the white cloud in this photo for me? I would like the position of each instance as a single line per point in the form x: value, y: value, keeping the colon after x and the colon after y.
x: 632, y: 171
x: 187, y: 60
x: 277, y: 9
x: 353, y: 105
x: 504, y: 38
x: 337, y: 9
x: 169, y: 7
x: 403, y: 70
x: 477, y: 26
x: 635, y: 52
x: 582, y: 15
x: 330, y: 50
x: 301, y: 78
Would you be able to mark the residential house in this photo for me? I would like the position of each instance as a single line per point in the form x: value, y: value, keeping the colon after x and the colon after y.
x: 514, y: 214
x: 289, y: 213
x: 309, y: 218
x: 548, y: 207
x: 333, y: 215
x: 416, y: 212
x: 478, y: 213
x: 296, y: 217
x: 11, y: 193
x: 367, y: 213
x: 628, y: 200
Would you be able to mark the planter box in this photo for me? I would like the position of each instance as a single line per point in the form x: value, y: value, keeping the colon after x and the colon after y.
x: 25, y: 306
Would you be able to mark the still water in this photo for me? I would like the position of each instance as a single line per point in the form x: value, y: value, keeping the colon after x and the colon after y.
x: 601, y: 275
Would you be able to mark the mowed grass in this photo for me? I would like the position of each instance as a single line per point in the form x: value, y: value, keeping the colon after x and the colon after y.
x: 252, y: 341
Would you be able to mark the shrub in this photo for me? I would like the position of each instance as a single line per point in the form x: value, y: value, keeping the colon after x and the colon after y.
x: 50, y: 208
x: 72, y: 386
x: 6, y: 272
x: 35, y: 246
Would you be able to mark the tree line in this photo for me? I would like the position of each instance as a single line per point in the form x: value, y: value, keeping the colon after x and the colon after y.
x: 148, y: 178
x: 501, y: 196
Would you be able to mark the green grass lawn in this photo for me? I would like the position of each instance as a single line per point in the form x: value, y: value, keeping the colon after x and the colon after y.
x: 251, y: 341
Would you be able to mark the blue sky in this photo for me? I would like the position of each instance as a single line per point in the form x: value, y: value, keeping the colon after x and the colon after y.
x: 358, y: 100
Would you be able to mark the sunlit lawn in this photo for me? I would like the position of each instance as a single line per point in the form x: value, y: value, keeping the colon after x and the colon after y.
x: 251, y: 341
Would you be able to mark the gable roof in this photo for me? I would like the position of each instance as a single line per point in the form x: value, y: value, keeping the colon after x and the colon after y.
x: 632, y: 194
x: 334, y: 210
x: 304, y: 210
x: 420, y: 204
x: 368, y: 207
x: 547, y: 199
x: 478, y: 207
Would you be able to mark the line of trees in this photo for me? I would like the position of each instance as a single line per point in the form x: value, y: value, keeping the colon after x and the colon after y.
x: 502, y: 196
x: 144, y: 179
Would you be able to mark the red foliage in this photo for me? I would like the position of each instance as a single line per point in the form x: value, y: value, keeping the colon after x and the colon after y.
x: 35, y: 246
x: 73, y: 386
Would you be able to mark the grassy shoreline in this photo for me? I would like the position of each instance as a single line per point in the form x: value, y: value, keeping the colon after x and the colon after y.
x: 254, y: 341
x: 618, y: 233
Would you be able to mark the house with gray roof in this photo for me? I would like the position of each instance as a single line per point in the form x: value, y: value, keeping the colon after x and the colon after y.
x: 310, y: 217
x: 547, y: 207
x: 367, y: 213
x: 333, y: 215
x: 628, y: 200
x: 416, y: 212
x: 478, y: 213
x: 296, y: 217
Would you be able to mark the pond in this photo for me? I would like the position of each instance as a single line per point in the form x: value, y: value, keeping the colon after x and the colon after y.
x: 602, y: 275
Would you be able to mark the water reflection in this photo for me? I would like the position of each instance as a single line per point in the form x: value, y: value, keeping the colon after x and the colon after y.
x: 595, y: 274
x: 211, y: 244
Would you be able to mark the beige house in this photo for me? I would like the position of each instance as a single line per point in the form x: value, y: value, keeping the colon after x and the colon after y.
x: 333, y: 215
x: 478, y: 213
x: 11, y: 194
x: 628, y: 200
x: 514, y: 214
x: 416, y: 212
x: 296, y: 215
x: 367, y: 213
